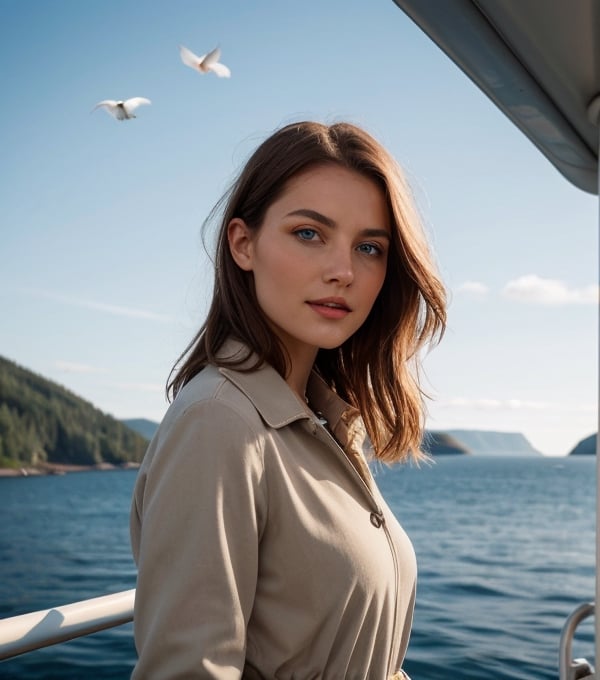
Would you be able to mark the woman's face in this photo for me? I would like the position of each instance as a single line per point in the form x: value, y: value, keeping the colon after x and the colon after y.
x: 319, y: 259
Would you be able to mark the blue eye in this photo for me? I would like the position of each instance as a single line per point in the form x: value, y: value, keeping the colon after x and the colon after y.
x: 306, y: 234
x: 370, y: 249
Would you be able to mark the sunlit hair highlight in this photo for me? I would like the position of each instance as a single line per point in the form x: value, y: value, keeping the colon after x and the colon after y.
x: 377, y: 369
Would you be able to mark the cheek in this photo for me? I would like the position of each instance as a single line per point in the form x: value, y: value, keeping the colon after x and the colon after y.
x: 277, y: 267
x: 376, y: 280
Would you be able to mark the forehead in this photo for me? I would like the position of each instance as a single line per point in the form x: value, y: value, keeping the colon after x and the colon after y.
x: 330, y: 174
x: 336, y: 192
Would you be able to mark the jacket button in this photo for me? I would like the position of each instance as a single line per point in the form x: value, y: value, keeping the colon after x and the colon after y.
x: 376, y: 520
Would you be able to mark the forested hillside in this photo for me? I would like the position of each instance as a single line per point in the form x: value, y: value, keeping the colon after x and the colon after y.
x: 42, y: 422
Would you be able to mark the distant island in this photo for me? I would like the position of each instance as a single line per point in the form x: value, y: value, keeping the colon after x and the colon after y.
x: 437, y: 443
x: 441, y: 443
x: 477, y: 443
x: 586, y: 447
x: 45, y: 427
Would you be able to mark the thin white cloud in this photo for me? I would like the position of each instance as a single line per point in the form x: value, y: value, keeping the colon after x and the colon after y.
x: 117, y: 310
x: 512, y: 405
x: 74, y: 367
x: 492, y: 404
x: 535, y: 289
x: 137, y: 387
x: 473, y: 288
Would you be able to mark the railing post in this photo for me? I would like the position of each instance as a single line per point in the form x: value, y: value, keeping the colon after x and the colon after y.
x: 567, y: 668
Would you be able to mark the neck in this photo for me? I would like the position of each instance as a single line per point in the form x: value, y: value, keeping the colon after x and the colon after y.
x: 299, y: 372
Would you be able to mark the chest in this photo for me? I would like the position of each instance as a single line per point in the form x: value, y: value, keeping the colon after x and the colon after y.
x: 325, y: 525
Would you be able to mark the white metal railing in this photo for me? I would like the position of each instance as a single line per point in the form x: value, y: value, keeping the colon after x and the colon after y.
x: 24, y: 633
x: 578, y: 669
x: 27, y: 632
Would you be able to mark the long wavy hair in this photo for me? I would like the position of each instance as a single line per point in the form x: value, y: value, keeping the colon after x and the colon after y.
x: 376, y: 369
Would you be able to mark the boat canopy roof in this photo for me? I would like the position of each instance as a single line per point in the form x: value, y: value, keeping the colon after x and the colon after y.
x: 538, y: 61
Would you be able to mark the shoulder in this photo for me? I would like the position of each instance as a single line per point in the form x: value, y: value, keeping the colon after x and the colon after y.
x: 209, y: 416
x: 211, y: 392
x: 210, y: 439
x: 211, y: 427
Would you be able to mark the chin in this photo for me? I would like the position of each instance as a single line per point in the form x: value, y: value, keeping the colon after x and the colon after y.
x: 332, y: 344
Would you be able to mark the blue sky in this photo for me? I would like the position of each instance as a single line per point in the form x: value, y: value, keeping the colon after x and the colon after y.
x: 103, y: 277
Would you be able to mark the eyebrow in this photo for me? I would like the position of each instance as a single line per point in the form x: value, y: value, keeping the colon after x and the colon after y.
x: 328, y: 222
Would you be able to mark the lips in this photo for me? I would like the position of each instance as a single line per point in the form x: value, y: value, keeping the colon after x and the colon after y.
x: 330, y: 308
x: 331, y: 303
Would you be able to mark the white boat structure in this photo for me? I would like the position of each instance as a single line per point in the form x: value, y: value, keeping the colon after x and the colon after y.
x: 539, y: 62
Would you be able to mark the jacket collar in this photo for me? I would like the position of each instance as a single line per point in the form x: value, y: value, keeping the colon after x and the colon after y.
x: 276, y: 402
x: 279, y: 405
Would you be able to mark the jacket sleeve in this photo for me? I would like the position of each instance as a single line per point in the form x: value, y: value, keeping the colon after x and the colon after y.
x: 197, y: 516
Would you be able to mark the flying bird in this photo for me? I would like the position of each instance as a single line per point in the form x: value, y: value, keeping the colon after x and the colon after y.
x: 121, y: 110
x: 205, y: 63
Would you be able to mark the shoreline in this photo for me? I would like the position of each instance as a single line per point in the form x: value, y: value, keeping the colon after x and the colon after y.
x: 48, y: 469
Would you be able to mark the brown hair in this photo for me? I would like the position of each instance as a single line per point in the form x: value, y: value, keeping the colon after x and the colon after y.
x: 375, y: 370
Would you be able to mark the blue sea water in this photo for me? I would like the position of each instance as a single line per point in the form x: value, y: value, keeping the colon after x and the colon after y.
x: 505, y: 549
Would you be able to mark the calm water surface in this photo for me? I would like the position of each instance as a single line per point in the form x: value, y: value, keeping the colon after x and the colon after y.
x: 505, y: 550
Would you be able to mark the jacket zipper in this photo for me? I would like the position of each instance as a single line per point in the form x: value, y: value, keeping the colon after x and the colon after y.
x: 395, y: 635
x: 320, y: 425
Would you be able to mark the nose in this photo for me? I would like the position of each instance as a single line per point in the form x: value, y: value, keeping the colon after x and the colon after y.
x: 339, y: 267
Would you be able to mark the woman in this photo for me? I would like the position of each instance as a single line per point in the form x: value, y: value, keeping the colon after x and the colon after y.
x: 264, y: 547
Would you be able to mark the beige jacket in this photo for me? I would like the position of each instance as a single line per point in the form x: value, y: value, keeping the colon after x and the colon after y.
x: 264, y: 549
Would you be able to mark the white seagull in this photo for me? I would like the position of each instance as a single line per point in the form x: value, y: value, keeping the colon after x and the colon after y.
x: 205, y: 63
x: 121, y: 110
